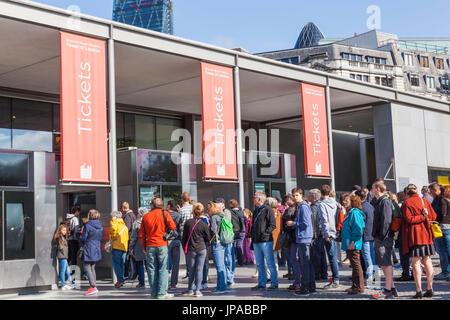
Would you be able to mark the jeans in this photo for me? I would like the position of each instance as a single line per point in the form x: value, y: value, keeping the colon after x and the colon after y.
x: 206, y: 267
x: 158, y: 274
x: 366, y: 252
x: 443, y: 249
x: 140, y: 272
x: 308, y: 281
x: 174, y: 261
x: 64, y: 271
x: 264, y: 252
x: 239, y: 247
x: 332, y: 251
x: 196, y: 262
x: 319, y: 257
x: 89, y: 268
x: 229, y: 262
x: 287, y: 254
x: 295, y: 263
x: 218, y: 252
x: 118, y: 261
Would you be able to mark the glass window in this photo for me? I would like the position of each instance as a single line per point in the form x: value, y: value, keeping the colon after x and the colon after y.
x: 440, y: 64
x: 415, y: 80
x: 383, y: 61
x: 5, y: 123
x: 378, y: 80
x: 164, y: 129
x: 345, y: 55
x: 19, y: 225
x: 409, y: 59
x: 358, y: 77
x: 366, y: 78
x: 352, y: 76
x: 445, y: 83
x: 424, y: 62
x: 145, y: 132
x: 430, y: 82
x: 294, y: 60
x: 32, y: 125
x: 370, y: 59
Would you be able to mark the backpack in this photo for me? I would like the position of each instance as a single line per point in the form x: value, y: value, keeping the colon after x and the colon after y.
x: 235, y: 221
x: 226, y: 233
x: 396, y: 223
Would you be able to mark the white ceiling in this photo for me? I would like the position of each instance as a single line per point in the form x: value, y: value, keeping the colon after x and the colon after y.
x: 29, y: 60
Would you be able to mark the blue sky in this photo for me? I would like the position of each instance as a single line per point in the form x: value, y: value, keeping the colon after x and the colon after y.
x: 266, y: 25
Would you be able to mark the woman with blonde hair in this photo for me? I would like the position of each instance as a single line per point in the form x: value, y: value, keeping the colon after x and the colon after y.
x: 195, y: 236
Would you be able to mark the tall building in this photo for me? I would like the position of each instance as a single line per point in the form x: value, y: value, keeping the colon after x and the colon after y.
x: 309, y: 36
x: 155, y: 15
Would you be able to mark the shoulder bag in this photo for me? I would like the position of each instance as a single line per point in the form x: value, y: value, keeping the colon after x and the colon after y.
x: 109, y: 243
x: 436, y: 231
x: 168, y: 234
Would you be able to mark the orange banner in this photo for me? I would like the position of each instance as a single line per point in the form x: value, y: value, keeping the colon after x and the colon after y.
x: 219, y: 131
x: 315, y: 131
x: 84, y: 143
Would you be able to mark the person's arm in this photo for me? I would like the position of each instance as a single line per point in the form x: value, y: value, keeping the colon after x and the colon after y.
x: 324, y: 224
x: 170, y: 223
x: 445, y: 207
x: 356, y: 228
x: 133, y: 239
x: 206, y: 233
x: 185, y: 234
x: 142, y: 234
x: 214, y: 226
x: 271, y: 222
x: 386, y: 216
x: 432, y: 216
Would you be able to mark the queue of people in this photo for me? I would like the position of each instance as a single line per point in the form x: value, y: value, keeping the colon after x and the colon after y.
x: 308, y: 233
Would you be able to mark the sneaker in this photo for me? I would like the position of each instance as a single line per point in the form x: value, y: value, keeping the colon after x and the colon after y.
x: 258, y: 287
x: 118, y: 284
x: 218, y: 292
x: 91, y: 291
x: 441, y: 276
x: 67, y: 287
x: 302, y: 293
x: 172, y: 287
x: 332, y: 285
x: 166, y: 296
x: 287, y: 275
x: 188, y: 293
x: 140, y: 286
x: 198, y: 294
x: 428, y: 294
x: 384, y: 294
x: 293, y: 288
x: 272, y: 287
x: 230, y: 286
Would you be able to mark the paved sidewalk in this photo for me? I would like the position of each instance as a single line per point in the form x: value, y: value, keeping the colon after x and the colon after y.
x: 241, y: 290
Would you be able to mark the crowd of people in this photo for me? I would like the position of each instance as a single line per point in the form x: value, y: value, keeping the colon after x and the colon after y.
x: 305, y: 234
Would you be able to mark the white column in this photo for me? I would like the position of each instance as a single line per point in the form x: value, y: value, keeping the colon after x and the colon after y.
x: 240, y: 151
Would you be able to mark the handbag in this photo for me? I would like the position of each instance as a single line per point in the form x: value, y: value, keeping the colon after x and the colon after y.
x: 109, y: 243
x: 436, y: 231
x: 189, y: 238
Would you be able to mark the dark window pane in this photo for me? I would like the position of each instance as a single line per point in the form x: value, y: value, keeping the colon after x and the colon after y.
x: 5, y: 124
x: 145, y: 132
x: 164, y: 129
x: 19, y: 225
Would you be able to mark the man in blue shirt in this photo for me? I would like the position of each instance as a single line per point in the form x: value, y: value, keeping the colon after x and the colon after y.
x: 304, y: 235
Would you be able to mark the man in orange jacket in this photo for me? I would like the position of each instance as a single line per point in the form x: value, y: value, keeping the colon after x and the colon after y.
x: 153, y: 228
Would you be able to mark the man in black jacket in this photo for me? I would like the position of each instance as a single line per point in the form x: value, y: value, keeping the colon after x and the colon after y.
x: 383, y: 238
x: 238, y: 220
x: 262, y: 241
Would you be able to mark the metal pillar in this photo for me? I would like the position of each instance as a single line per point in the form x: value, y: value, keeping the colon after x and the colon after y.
x: 240, y: 151
x: 330, y: 138
x: 112, y: 130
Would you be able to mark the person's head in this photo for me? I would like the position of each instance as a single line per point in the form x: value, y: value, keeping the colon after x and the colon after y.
x: 171, y: 205
x: 124, y: 207
x: 378, y: 189
x: 325, y: 190
x: 273, y: 203
x: 259, y: 198
x: 151, y: 203
x: 185, y: 197
x: 345, y: 200
x: 297, y: 195
x: 248, y: 213
x: 158, y: 203
x: 213, y: 208
x: 233, y: 203
x: 289, y: 200
x: 141, y: 212
x: 446, y: 192
x: 424, y: 190
x: 220, y: 202
x: 93, y: 214
x: 76, y: 211
x: 192, y: 202
x: 279, y: 201
x: 314, y: 195
x: 411, y: 190
x: 198, y: 210
x: 62, y: 232
x: 435, y: 189
x: 356, y: 188
x: 116, y: 215
x: 355, y: 202
x: 362, y: 193
x: 401, y: 196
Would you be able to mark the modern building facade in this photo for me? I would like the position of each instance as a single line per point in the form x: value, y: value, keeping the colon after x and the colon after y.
x: 154, y: 87
x: 414, y: 65
x: 155, y: 15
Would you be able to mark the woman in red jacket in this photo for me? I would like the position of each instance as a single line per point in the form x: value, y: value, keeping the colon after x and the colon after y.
x: 417, y: 238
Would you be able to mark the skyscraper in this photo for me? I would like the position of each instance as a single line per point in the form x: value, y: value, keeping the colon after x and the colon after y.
x: 309, y: 36
x: 155, y: 15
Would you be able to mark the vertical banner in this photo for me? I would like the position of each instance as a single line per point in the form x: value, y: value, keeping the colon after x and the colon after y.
x: 315, y: 131
x: 84, y: 145
x: 218, y: 124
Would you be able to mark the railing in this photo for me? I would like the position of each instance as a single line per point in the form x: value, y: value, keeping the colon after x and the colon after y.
x: 417, y: 46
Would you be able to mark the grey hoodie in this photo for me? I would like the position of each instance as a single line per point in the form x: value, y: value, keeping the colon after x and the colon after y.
x: 74, y: 226
x: 328, y: 208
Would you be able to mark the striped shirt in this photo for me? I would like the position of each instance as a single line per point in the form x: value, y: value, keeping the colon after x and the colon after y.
x: 186, y: 214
